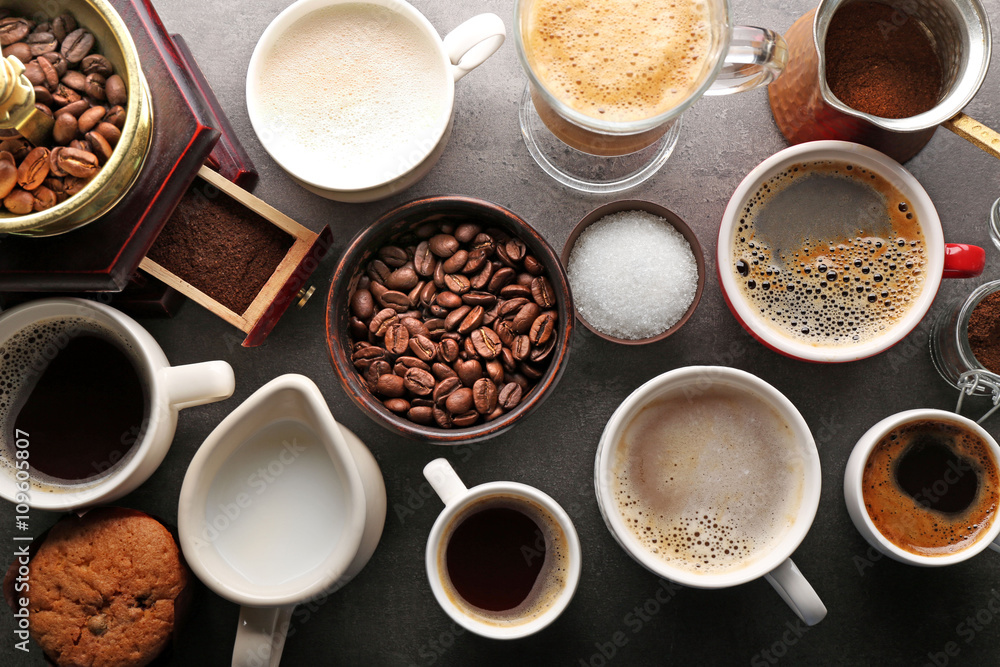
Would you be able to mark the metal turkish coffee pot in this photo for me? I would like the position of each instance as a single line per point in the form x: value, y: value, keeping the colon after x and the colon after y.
x: 18, y: 112
x: 805, y: 109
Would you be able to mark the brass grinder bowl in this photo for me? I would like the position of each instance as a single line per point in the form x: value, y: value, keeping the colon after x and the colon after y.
x: 114, y: 42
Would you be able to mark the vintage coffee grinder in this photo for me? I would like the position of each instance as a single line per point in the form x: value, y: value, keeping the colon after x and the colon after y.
x: 95, y: 240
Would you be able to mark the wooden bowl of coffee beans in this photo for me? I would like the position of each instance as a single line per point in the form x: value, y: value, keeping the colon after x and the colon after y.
x: 449, y: 319
x: 85, y: 73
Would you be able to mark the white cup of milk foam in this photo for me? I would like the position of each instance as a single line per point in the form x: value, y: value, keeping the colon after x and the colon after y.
x: 355, y: 99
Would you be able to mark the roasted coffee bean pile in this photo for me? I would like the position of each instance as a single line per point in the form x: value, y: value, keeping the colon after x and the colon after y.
x: 81, y: 91
x: 453, y: 325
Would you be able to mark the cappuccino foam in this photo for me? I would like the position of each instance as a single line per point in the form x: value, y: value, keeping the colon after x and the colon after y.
x: 619, y: 61
x: 354, y: 94
x: 831, y: 253
x: 708, y: 482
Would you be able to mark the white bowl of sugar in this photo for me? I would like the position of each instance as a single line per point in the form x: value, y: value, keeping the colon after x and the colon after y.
x: 636, y: 270
x: 355, y: 99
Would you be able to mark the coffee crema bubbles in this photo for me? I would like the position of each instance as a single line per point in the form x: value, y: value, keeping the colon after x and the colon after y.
x: 830, y: 253
x: 931, y: 487
x: 709, y: 482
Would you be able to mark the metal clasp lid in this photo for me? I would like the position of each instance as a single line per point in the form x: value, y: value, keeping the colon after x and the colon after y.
x: 972, y: 381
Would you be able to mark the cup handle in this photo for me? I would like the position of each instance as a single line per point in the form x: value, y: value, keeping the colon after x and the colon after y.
x: 445, y: 480
x: 470, y: 44
x: 197, y: 384
x: 963, y: 261
x: 260, y: 636
x: 796, y: 591
x: 756, y: 57
x: 995, y: 544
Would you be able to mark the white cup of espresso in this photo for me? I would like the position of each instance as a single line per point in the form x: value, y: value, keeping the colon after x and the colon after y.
x: 911, y: 521
x: 168, y: 389
x: 371, y: 109
x: 939, y: 259
x: 714, y: 495
x: 556, y: 542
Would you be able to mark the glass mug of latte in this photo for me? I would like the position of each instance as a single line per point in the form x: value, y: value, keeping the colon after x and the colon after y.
x: 830, y: 251
x: 608, y: 81
x: 923, y: 487
x: 708, y: 476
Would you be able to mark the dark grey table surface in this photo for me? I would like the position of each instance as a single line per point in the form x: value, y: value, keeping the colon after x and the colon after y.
x: 880, y: 612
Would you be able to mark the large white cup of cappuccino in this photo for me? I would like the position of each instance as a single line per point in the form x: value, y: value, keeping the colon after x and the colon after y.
x: 36, y: 336
x: 355, y: 99
x: 708, y: 476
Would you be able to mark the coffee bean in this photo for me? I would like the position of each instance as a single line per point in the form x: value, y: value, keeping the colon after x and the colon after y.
x: 421, y: 415
x: 396, y: 300
x: 423, y: 348
x: 541, y: 292
x: 57, y: 186
x: 441, y: 417
x: 99, y: 146
x: 43, y: 96
x: 516, y: 250
x: 471, y: 321
x: 444, y: 388
x: 13, y: 30
x: 455, y: 317
x: 521, y: 381
x: 415, y: 326
x: 74, y: 185
x: 455, y: 263
x: 96, y: 87
x: 486, y: 342
x: 90, y: 118
x: 459, y: 401
x: 468, y: 349
x: 465, y: 420
x: 59, y: 64
x: 457, y: 283
x: 436, y: 327
x: 505, y: 330
x: 448, y: 300
x: 481, y: 280
x: 19, y: 50
x: 397, y: 339
x: 533, y: 266
x: 542, y: 328
x: 467, y: 231
x: 74, y: 79
x: 443, y: 245
x: 391, y: 255
x: 521, y: 348
x: 50, y: 76
x: 443, y: 371
x: 507, y: 360
x: 494, y: 370
x: 525, y: 317
x: 116, y: 116
x: 95, y: 63
x: 110, y: 133
x: 419, y: 382
x: 510, y: 396
x: 362, y: 304
x: 376, y: 369
x: 428, y: 293
x: 485, y: 242
x: 364, y: 357
x: 533, y: 373
x: 34, y: 169
x: 402, y: 279
x: 484, y: 299
x: 81, y: 164
x: 404, y: 364
x: 8, y: 174
x: 485, y: 395
x: 63, y: 25
x: 515, y: 290
x: 509, y: 307
x: 77, y: 45
x: 501, y: 277
x: 439, y: 275
x: 423, y: 260
x: 41, y: 42
x: 397, y: 405
x: 476, y: 260
x: 44, y: 198
x: 19, y: 202
x: 390, y: 385
x: 468, y: 370
x: 382, y: 320
x: 539, y: 354
x: 378, y: 271
x: 448, y: 351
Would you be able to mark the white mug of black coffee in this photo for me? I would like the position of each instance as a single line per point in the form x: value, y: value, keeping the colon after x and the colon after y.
x: 503, y: 558
x: 708, y: 476
x: 90, y: 403
x: 923, y: 487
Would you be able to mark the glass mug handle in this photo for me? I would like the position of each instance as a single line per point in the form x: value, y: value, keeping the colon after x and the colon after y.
x: 756, y: 57
x: 963, y: 261
x: 797, y: 592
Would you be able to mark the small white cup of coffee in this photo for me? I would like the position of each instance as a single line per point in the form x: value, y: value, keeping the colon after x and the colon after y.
x: 500, y: 527
x: 37, y: 335
x: 852, y: 291
x: 729, y: 467
x: 355, y: 100
x: 923, y: 487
